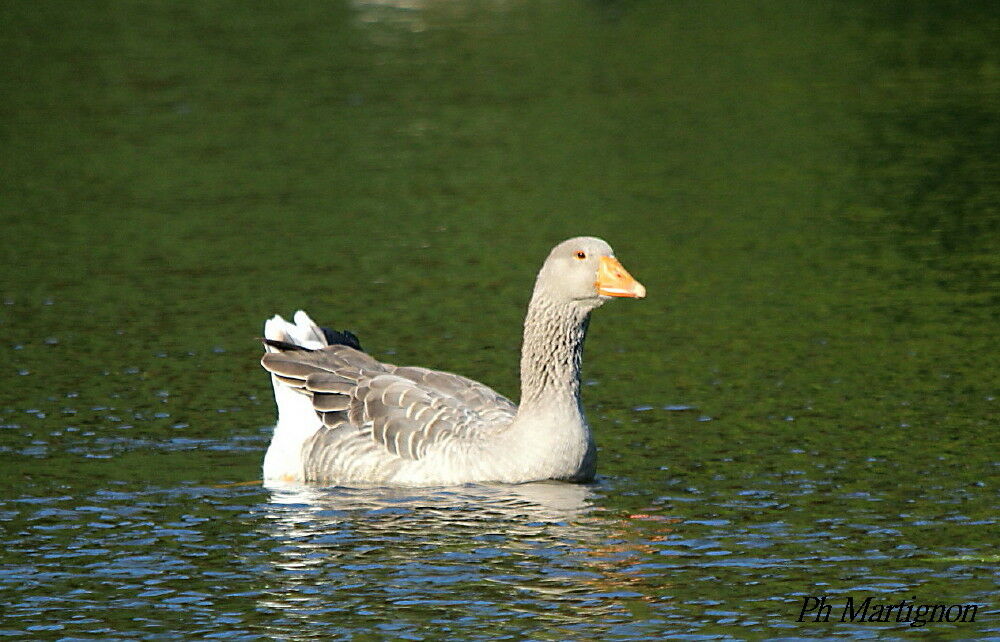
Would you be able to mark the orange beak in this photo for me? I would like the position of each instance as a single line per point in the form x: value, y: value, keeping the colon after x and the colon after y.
x: 614, y: 280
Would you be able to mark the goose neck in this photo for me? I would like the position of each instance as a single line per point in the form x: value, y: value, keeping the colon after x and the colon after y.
x: 551, y: 356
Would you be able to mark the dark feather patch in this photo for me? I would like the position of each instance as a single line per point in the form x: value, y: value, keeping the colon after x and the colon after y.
x: 333, y: 338
x: 342, y: 338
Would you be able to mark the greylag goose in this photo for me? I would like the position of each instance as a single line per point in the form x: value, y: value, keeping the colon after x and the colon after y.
x: 345, y: 418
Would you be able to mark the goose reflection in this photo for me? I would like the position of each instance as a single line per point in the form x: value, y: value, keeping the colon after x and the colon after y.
x: 293, y: 505
x: 546, y: 548
x: 376, y: 545
x: 399, y: 525
x: 419, y: 15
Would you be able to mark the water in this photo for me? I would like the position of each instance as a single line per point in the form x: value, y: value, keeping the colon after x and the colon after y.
x: 805, y: 405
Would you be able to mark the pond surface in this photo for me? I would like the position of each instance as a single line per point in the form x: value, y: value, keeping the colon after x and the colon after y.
x: 805, y: 405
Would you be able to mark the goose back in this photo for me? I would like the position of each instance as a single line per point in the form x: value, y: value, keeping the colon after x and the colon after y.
x: 378, y: 418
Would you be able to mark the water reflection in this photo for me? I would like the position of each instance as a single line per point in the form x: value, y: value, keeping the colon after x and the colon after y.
x: 416, y: 15
x: 539, y: 501
x: 307, y: 515
x: 541, y: 549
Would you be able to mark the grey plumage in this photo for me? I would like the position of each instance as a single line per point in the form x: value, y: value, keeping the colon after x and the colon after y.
x: 366, y: 404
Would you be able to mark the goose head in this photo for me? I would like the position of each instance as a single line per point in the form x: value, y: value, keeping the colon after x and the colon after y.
x: 584, y: 272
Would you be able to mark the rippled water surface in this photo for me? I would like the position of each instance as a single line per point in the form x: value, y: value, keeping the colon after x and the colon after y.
x: 805, y: 405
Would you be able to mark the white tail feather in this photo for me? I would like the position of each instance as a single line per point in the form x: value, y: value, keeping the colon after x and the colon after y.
x: 297, y: 421
x: 304, y: 332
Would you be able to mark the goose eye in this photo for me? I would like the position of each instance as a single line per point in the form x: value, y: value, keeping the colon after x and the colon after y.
x: 581, y: 255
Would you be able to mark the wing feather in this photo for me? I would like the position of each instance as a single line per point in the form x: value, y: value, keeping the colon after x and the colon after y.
x: 331, y: 383
x: 325, y: 402
x: 404, y: 411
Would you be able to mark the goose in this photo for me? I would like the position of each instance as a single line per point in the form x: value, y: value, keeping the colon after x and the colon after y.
x: 347, y: 419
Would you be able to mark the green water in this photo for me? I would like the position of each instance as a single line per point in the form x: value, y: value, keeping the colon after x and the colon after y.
x: 808, y: 192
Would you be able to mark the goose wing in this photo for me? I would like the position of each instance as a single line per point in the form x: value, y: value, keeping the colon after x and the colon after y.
x: 405, y: 411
